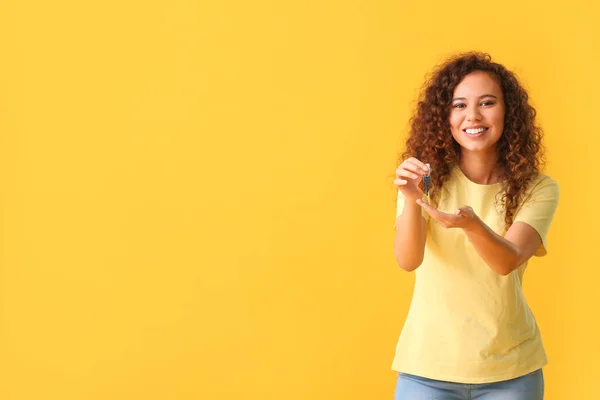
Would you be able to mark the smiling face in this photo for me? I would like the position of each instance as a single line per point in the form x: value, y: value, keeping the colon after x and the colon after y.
x: 477, y: 114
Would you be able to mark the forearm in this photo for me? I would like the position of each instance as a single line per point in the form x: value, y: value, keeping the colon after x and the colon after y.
x: 411, y: 234
x: 500, y: 255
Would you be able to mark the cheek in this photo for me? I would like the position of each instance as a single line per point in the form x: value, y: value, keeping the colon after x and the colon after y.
x: 499, y: 122
x: 498, y: 118
x: 455, y: 121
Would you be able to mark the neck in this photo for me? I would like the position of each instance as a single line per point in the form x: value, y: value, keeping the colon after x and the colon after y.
x: 481, y: 168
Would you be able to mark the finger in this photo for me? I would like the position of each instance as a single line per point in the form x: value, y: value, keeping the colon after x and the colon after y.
x: 417, y: 162
x: 430, y: 210
x: 441, y: 217
x: 409, y: 166
x: 433, y: 213
x: 465, y: 211
x: 403, y: 173
x: 400, y: 182
x: 420, y: 165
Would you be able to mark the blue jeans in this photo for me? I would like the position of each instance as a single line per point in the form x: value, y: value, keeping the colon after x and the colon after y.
x: 527, y: 387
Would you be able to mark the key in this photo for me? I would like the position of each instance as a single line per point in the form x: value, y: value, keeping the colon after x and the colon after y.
x: 427, y: 180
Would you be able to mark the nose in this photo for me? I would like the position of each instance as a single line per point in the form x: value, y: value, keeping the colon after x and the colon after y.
x: 473, y: 114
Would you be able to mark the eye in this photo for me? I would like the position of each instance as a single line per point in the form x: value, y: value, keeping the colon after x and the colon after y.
x: 458, y: 105
x: 487, y: 103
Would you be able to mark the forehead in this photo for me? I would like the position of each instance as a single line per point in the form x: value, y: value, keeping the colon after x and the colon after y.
x: 476, y: 84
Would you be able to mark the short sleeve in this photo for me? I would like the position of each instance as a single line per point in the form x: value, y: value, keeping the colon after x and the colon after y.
x: 400, y: 207
x: 538, y: 209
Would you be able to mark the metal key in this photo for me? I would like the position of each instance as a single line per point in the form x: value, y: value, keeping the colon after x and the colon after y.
x: 427, y: 180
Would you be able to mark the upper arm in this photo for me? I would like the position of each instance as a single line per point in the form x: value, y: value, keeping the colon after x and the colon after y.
x: 526, y: 238
x: 533, y: 219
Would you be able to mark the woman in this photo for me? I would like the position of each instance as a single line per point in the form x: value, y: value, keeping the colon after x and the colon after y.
x: 469, y: 333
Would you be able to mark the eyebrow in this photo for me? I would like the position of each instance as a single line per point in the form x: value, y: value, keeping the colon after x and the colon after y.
x: 481, y: 97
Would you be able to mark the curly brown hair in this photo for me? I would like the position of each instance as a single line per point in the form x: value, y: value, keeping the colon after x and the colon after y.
x: 520, y: 149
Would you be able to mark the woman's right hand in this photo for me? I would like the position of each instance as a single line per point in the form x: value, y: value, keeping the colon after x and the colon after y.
x: 408, y: 176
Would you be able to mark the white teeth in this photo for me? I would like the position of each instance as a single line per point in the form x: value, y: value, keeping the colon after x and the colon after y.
x: 475, y: 131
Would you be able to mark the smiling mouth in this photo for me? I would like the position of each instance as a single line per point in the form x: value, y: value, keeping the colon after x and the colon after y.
x: 474, y: 132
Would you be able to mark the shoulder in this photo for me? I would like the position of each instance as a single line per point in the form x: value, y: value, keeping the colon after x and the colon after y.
x: 543, y: 182
x: 541, y: 188
x: 541, y: 177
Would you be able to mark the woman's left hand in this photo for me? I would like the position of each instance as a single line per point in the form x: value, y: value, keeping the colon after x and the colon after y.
x: 464, y: 217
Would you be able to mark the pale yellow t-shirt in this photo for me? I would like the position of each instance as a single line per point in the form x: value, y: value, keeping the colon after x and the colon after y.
x: 467, y: 323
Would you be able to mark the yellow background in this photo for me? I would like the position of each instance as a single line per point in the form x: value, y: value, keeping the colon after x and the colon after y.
x: 197, y: 202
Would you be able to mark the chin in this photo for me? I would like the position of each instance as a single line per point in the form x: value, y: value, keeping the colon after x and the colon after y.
x: 478, y: 149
